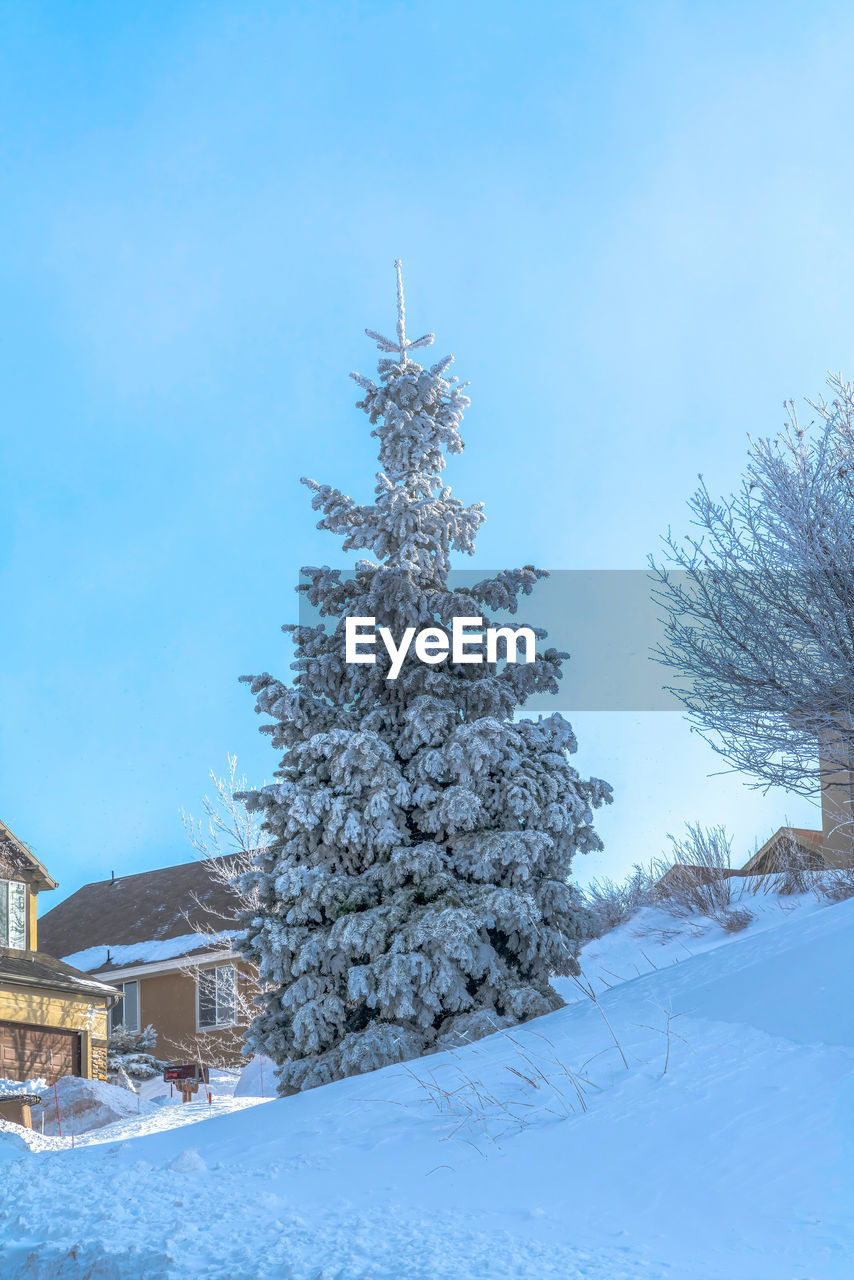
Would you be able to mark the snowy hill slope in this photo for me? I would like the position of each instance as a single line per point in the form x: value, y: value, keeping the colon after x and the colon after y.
x: 536, y: 1154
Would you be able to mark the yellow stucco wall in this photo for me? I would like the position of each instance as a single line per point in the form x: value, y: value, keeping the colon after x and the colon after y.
x: 42, y: 1008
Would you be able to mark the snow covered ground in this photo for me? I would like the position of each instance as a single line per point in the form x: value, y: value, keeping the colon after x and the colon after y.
x: 714, y: 1141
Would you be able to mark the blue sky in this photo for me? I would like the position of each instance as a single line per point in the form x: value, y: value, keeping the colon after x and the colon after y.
x: 631, y: 222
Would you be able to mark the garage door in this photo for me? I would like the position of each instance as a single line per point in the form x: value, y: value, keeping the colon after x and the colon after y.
x: 38, y: 1051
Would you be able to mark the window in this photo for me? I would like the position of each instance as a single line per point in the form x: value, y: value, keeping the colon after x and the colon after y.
x: 125, y: 1012
x: 13, y: 914
x: 217, y: 992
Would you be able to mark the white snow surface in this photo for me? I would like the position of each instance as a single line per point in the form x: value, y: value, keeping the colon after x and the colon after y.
x: 535, y: 1154
x: 8, y: 1088
x: 93, y: 959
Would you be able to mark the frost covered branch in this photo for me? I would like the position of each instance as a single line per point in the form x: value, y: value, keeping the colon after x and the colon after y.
x: 759, y: 606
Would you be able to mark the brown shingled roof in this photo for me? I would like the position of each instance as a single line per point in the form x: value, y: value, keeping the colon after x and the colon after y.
x: 149, y: 906
x: 33, y: 968
x: 806, y: 833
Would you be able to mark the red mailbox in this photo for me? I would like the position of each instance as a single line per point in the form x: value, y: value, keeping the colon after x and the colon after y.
x: 187, y: 1076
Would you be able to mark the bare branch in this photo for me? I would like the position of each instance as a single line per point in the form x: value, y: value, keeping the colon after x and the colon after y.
x: 759, y: 606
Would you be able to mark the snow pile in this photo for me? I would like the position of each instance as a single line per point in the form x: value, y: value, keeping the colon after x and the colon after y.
x: 10, y: 1087
x: 257, y: 1079
x: 85, y: 1105
x: 693, y: 1122
x: 188, y: 1161
x: 12, y: 1145
x: 93, y: 959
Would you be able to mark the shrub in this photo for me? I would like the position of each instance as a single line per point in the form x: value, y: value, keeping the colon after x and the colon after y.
x: 835, y: 885
x: 793, y: 868
x: 697, y: 879
x: 130, y: 1051
x: 736, y: 919
x: 611, y: 903
x: 700, y: 880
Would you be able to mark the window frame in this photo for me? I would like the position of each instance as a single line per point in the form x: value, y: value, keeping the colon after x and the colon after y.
x: 130, y: 982
x: 6, y: 891
x: 234, y: 1020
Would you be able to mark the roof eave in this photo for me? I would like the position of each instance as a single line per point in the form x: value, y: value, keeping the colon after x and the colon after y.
x: 175, y: 964
x: 41, y: 875
x: 87, y: 986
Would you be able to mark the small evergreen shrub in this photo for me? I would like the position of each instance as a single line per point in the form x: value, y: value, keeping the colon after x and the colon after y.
x: 130, y: 1052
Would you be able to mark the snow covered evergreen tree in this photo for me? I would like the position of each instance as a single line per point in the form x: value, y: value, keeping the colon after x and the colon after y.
x: 415, y: 891
x: 131, y: 1052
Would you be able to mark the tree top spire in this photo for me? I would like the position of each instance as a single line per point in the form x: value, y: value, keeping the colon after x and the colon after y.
x: 400, y: 345
x: 401, y: 309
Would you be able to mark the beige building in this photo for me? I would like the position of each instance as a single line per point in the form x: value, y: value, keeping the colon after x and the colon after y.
x: 164, y: 939
x: 53, y: 1017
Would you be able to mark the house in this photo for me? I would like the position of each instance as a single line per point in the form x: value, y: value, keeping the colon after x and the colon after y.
x: 682, y: 877
x: 164, y: 938
x: 830, y: 848
x: 798, y: 849
x: 53, y: 1017
x: 788, y: 846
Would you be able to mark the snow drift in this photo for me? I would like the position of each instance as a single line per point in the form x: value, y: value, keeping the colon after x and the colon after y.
x: 692, y: 1123
x: 257, y: 1079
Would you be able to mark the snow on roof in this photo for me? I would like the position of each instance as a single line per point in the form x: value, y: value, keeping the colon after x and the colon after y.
x: 12, y: 1088
x: 162, y: 904
x: 96, y: 959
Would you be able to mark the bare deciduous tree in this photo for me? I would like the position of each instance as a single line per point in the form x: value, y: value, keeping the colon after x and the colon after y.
x: 228, y: 835
x: 759, y: 605
x: 225, y: 838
